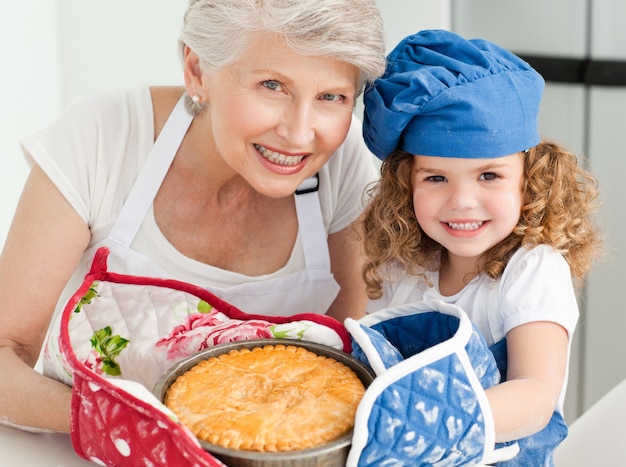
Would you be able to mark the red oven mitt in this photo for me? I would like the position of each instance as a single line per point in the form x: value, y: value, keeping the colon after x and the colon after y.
x: 119, y: 333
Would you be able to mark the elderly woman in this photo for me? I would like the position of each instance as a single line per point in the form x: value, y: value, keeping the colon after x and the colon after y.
x: 246, y: 181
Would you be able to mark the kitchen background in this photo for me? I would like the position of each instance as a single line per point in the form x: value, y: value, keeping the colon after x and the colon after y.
x: 55, y: 50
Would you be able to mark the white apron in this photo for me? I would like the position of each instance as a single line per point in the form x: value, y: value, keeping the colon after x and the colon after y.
x: 310, y: 290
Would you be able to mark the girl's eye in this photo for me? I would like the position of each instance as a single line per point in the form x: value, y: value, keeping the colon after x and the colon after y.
x: 272, y: 85
x: 436, y: 178
x: 333, y: 97
x: 488, y: 176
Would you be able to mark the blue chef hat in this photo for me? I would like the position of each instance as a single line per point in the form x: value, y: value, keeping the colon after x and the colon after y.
x: 442, y: 95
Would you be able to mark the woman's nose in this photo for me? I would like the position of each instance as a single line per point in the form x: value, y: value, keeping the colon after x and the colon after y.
x: 297, y: 126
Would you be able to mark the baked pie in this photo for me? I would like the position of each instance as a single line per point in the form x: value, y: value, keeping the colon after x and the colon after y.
x: 270, y: 398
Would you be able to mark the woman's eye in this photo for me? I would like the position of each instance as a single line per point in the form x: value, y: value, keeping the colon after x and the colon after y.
x: 488, y: 176
x: 333, y: 97
x: 272, y: 85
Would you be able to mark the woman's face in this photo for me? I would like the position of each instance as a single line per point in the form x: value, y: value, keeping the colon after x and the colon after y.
x: 276, y: 117
x: 467, y: 205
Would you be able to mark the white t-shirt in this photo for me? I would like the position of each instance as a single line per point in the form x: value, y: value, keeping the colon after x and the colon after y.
x: 536, y: 285
x: 96, y: 149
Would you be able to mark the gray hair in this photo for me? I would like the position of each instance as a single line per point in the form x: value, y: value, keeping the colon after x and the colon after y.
x: 348, y: 30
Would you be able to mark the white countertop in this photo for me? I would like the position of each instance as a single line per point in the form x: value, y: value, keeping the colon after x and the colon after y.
x: 24, y: 449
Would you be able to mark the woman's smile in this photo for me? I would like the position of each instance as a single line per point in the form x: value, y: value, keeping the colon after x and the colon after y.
x: 278, y: 157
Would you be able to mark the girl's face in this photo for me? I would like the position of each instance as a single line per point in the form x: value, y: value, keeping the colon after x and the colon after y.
x: 467, y: 205
x: 276, y: 117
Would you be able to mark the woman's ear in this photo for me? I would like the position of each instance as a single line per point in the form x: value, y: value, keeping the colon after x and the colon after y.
x: 192, y: 72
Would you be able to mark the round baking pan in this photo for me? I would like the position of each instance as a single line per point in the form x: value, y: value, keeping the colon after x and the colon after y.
x: 332, y: 454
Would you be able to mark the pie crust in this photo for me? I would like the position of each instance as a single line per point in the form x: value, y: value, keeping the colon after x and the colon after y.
x: 270, y: 398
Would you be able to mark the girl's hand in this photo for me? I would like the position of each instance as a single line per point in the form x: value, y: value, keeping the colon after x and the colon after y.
x: 537, y: 363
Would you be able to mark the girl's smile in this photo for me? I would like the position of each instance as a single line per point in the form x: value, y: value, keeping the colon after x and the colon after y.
x: 465, y: 228
x: 467, y: 205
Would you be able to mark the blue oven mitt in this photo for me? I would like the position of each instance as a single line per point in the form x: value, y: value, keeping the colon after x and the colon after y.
x: 427, y: 405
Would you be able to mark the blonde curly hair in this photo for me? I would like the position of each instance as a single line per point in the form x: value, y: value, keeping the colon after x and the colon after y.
x: 559, y: 201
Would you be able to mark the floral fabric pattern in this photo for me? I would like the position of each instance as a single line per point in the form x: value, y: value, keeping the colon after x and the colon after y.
x: 209, y: 327
x: 136, y: 333
x: 106, y: 347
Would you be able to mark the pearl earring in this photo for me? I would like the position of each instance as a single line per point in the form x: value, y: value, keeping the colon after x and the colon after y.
x: 195, y: 99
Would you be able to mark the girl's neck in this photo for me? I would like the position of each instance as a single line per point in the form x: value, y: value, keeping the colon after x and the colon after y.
x: 455, y: 273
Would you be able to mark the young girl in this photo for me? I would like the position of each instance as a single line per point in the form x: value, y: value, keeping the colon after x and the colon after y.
x: 474, y: 209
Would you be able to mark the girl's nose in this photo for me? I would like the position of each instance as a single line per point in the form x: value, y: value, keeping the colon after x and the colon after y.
x: 462, y: 197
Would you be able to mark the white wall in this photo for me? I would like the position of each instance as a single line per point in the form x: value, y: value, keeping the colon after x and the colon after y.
x: 29, y: 88
x: 55, y: 50
x: 405, y: 17
x: 112, y: 43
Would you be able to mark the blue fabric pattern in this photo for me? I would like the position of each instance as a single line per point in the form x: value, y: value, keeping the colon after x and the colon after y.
x: 427, y: 405
x: 429, y: 417
x: 538, y: 449
x: 388, y: 354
